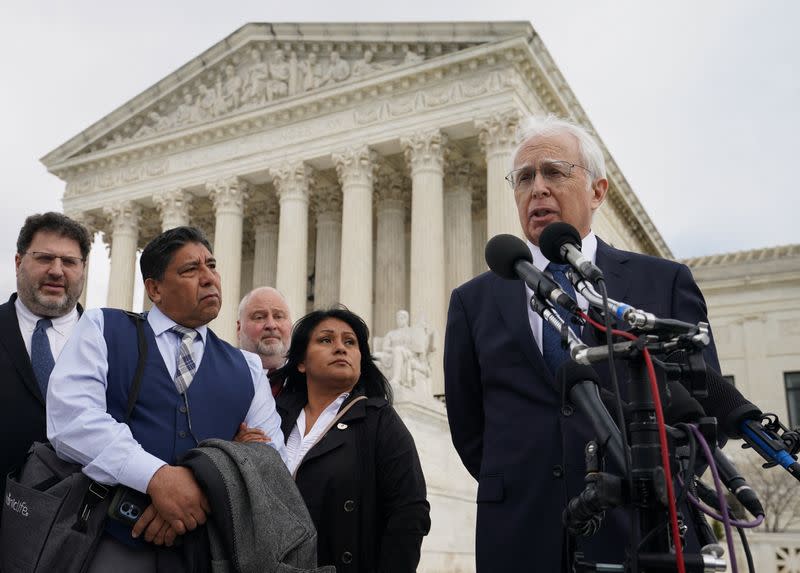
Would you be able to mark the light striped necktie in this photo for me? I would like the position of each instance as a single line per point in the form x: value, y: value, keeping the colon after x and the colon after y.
x: 186, y: 365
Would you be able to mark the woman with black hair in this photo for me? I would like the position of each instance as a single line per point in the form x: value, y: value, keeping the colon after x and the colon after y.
x: 352, y: 457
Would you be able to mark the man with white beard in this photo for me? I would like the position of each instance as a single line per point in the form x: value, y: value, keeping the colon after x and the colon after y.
x: 265, y: 327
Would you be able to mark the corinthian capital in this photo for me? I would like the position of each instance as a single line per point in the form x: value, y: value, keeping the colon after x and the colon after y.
x: 88, y: 221
x: 424, y: 150
x: 355, y: 165
x: 123, y: 217
x: 391, y: 186
x: 327, y: 198
x: 228, y: 194
x: 496, y: 133
x: 459, y: 172
x: 291, y: 180
x: 174, y: 206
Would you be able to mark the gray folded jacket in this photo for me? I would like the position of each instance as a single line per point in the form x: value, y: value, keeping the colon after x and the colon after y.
x: 258, y: 522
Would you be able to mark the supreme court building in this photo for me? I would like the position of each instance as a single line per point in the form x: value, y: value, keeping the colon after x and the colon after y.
x: 352, y: 163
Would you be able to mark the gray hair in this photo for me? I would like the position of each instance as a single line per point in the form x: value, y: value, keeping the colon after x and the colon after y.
x: 588, y: 148
x: 246, y: 298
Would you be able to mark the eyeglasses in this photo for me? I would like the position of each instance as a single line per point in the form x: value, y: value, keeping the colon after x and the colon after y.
x: 47, y: 259
x: 553, y: 172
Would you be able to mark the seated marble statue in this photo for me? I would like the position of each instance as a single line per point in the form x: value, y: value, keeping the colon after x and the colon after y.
x: 404, y: 354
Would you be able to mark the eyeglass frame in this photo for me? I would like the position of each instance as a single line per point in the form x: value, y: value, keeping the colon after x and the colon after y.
x: 66, y: 260
x: 510, y: 180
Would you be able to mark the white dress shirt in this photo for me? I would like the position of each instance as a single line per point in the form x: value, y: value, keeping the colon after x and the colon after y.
x: 81, y: 429
x: 589, y: 250
x: 299, y: 442
x: 57, y: 334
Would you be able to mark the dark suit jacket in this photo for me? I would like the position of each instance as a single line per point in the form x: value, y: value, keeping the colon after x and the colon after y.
x: 506, y: 416
x: 22, y: 420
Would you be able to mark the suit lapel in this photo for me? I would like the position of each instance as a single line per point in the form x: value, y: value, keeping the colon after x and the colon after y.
x: 512, y: 300
x: 11, y: 340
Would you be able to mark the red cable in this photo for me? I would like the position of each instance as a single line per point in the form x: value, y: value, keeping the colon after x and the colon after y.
x: 662, y: 438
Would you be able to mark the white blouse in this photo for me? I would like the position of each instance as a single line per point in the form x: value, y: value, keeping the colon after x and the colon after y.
x: 299, y: 442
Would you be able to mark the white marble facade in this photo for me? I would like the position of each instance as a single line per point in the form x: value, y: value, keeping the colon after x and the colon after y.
x: 352, y: 163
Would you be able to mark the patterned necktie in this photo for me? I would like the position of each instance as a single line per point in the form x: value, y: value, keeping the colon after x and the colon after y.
x: 186, y: 366
x: 553, y: 352
x: 41, y: 355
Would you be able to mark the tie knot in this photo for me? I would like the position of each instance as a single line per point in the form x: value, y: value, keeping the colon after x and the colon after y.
x: 184, y: 332
x: 43, y: 324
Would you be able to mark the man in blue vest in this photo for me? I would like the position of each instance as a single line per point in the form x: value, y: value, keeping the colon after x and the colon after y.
x: 195, y: 386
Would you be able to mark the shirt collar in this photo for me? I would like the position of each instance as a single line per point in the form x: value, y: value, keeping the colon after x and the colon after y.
x: 160, y: 323
x: 59, y: 322
x: 588, y: 248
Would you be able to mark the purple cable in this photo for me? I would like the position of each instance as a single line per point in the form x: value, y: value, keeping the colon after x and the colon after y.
x: 713, y: 514
x: 726, y: 519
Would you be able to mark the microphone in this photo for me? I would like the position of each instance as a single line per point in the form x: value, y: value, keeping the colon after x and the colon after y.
x: 510, y: 258
x: 684, y: 408
x: 561, y: 243
x: 581, y: 385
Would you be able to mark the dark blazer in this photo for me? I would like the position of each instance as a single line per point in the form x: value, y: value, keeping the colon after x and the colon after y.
x: 508, y: 421
x: 22, y: 420
x: 364, y: 488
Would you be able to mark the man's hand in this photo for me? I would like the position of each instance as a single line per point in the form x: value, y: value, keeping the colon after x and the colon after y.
x: 156, y: 530
x: 178, y: 500
x: 247, y: 434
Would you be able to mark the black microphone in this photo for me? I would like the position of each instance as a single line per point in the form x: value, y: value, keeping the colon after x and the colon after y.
x: 510, y: 258
x: 581, y: 385
x: 684, y: 408
x: 561, y: 243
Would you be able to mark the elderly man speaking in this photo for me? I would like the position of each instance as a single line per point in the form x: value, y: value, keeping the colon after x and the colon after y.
x: 195, y: 386
x: 504, y: 406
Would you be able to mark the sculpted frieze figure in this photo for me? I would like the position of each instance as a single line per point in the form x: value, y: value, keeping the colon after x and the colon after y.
x: 311, y: 71
x: 278, y: 84
x: 365, y: 65
x: 256, y: 76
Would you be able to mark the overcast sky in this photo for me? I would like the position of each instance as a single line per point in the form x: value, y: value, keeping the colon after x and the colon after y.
x: 698, y: 102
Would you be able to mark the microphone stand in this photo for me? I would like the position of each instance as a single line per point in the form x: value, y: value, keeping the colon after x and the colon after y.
x: 649, y: 494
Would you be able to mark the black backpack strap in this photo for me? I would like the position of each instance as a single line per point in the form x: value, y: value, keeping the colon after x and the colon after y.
x: 138, y: 320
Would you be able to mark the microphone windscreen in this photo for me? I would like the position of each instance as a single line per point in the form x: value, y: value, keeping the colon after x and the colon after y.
x: 682, y: 407
x: 555, y: 236
x: 727, y: 404
x: 571, y: 373
x: 503, y: 251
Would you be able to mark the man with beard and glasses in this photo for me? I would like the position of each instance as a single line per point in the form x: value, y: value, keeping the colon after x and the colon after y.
x: 264, y: 327
x: 34, y: 326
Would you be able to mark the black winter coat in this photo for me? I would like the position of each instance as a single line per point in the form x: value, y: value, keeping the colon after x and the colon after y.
x: 364, y: 488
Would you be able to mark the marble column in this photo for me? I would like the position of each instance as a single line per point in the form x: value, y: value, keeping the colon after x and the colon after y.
x: 391, y: 279
x: 479, y: 230
x: 328, y: 203
x: 291, y: 182
x: 228, y: 197
x: 91, y: 224
x: 173, y: 206
x: 265, y: 252
x: 458, y: 221
x: 496, y: 136
x: 355, y: 170
x: 123, y: 218
x: 424, y: 153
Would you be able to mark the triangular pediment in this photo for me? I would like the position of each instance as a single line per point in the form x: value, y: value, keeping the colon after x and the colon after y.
x: 262, y: 65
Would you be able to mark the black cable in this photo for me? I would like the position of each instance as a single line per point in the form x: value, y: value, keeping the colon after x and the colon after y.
x: 746, y: 547
x: 601, y: 284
